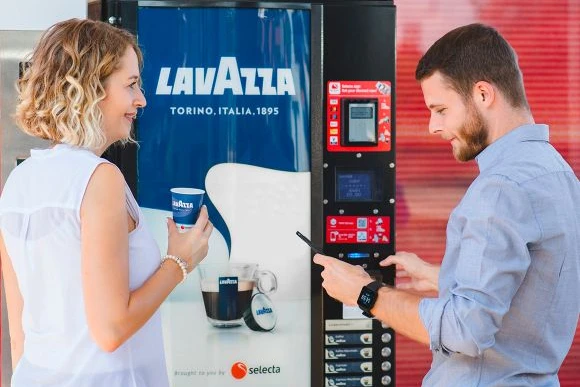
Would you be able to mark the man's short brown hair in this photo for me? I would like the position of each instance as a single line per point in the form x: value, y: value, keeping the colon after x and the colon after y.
x: 473, y: 53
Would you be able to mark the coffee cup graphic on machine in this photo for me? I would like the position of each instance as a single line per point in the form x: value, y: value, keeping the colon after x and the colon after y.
x: 227, y: 290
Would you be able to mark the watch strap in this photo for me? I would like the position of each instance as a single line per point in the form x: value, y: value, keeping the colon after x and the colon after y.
x: 375, y: 285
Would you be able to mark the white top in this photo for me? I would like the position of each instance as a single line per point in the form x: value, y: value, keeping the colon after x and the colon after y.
x: 40, y: 224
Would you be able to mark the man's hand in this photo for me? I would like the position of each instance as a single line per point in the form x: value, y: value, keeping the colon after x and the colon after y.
x: 341, y: 280
x: 416, y: 274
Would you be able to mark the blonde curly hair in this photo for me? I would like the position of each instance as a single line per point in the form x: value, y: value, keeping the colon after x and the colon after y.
x: 59, y: 93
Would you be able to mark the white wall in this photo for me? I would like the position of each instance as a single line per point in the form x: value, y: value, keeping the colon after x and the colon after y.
x: 36, y: 15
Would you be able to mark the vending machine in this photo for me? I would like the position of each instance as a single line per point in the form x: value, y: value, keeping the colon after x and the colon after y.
x: 283, y: 114
x: 354, y: 205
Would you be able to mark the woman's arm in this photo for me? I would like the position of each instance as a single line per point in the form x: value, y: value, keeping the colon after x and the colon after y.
x: 113, y: 312
x: 13, y: 305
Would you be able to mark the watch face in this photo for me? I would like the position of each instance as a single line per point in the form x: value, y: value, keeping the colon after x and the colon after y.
x: 366, y: 298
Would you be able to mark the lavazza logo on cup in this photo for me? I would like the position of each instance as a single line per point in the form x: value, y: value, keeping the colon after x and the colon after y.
x: 185, y: 204
x: 240, y: 370
x: 182, y: 204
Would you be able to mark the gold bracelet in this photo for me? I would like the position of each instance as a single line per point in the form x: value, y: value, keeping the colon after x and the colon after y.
x: 182, y: 264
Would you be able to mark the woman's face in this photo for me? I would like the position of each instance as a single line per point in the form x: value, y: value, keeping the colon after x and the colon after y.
x: 123, y: 97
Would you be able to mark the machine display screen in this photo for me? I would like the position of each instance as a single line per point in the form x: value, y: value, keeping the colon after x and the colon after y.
x: 355, y: 186
x: 360, y: 122
x: 362, y: 112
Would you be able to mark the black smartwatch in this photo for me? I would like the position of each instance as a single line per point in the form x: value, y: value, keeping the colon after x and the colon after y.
x: 368, y: 296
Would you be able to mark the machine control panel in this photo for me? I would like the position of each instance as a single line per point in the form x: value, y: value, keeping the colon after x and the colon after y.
x: 353, y: 351
x: 358, y: 213
x: 354, y: 183
x: 359, y: 116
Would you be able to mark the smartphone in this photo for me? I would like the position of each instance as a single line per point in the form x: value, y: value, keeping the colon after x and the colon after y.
x: 309, y: 243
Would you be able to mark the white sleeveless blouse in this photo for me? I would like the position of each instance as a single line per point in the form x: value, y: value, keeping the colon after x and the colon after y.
x: 40, y: 224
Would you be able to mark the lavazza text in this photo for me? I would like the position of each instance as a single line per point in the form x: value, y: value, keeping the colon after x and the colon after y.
x: 227, y: 76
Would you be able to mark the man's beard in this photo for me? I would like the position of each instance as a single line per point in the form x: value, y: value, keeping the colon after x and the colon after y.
x: 473, y: 137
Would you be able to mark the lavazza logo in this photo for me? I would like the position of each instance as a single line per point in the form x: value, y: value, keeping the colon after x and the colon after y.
x: 227, y: 76
x: 264, y: 310
x: 182, y: 204
x: 240, y: 370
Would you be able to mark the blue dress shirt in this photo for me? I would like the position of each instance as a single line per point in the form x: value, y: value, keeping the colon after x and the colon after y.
x: 509, y: 286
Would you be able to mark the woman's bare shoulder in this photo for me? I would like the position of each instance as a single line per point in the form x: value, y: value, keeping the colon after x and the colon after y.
x: 106, y: 187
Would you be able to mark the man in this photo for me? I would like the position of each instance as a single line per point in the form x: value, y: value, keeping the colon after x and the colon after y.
x: 509, y: 284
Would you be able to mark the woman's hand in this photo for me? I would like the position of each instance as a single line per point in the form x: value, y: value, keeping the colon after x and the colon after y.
x: 417, y: 275
x: 192, y: 245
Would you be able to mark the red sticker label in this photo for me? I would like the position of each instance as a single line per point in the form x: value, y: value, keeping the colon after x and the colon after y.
x: 337, y: 91
x: 358, y: 229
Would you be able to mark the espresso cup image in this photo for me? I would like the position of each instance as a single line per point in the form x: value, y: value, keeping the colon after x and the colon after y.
x: 227, y: 290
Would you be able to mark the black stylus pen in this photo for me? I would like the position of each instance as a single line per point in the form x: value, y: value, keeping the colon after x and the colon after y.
x: 309, y: 243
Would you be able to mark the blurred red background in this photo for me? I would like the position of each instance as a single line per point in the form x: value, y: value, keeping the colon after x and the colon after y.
x: 546, y: 36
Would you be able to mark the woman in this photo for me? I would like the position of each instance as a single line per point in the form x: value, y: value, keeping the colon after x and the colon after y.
x: 82, y: 273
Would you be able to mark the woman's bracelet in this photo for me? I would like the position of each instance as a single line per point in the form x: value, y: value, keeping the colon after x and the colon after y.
x: 182, y: 264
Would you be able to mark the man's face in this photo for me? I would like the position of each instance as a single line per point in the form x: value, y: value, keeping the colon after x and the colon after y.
x: 453, y: 119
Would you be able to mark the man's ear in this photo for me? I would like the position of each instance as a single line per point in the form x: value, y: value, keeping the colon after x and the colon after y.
x: 484, y: 94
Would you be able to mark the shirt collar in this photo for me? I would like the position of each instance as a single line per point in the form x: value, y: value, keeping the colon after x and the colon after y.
x: 529, y: 132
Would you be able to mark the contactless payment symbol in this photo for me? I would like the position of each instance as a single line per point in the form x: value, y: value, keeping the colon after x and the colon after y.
x: 383, y: 88
x: 333, y: 87
x: 239, y: 370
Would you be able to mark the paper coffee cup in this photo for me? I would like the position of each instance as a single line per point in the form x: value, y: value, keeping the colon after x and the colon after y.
x: 185, y: 204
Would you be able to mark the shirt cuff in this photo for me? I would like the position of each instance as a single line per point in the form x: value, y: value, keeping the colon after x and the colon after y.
x: 431, y: 315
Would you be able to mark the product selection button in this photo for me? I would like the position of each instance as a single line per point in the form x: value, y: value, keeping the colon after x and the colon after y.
x: 348, y: 381
x: 366, y: 367
x: 386, y: 366
x: 367, y: 353
x: 386, y: 352
x: 348, y: 353
x: 386, y: 337
x: 350, y: 367
x: 366, y: 338
x: 348, y: 338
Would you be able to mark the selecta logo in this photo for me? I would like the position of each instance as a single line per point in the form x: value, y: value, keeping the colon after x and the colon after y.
x: 227, y: 76
x: 239, y: 370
